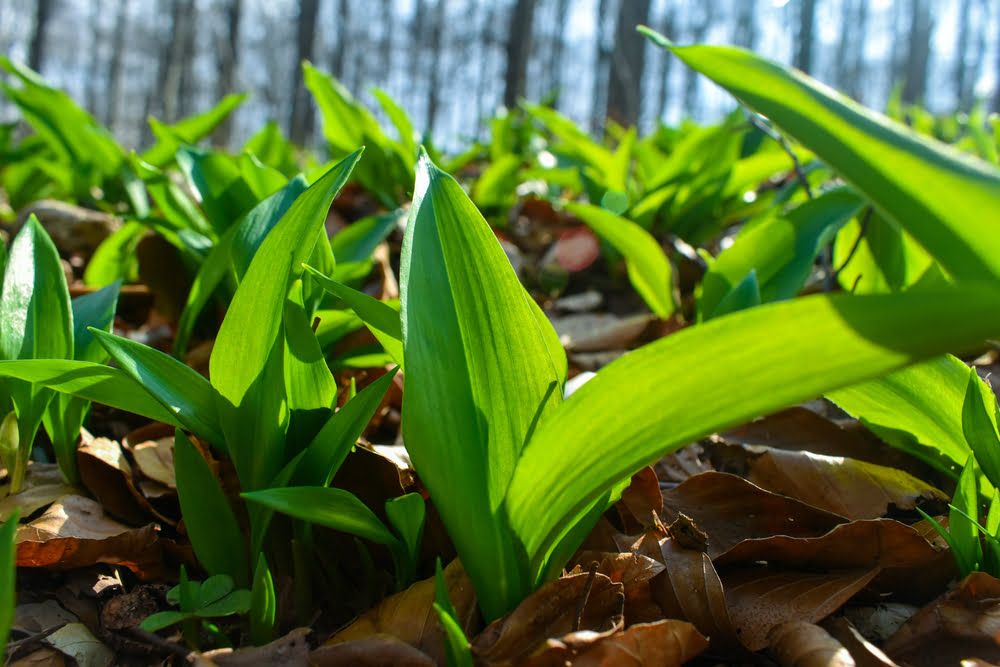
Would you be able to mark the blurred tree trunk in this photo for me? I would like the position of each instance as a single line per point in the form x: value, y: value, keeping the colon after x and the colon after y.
x: 996, y: 89
x: 804, y: 36
x: 962, y: 88
x: 342, y: 21
x: 302, y: 116
x: 36, y: 49
x: 554, y: 68
x: 699, y: 30
x: 116, y: 71
x: 601, y: 61
x: 518, y: 49
x: 156, y: 93
x: 746, y: 24
x: 667, y: 28
x: 93, y: 88
x: 189, y: 53
x: 228, y: 62
x: 627, y: 63
x: 918, y: 56
x: 177, y: 61
x: 433, y: 87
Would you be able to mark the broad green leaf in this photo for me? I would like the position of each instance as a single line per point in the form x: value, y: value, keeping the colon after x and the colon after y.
x: 8, y: 559
x: 459, y: 652
x: 781, y: 250
x: 933, y: 191
x: 115, y: 258
x: 963, y: 521
x: 190, y: 130
x: 916, y: 409
x: 237, y: 602
x: 750, y: 363
x: 263, y: 604
x: 406, y: 515
x: 177, y: 386
x: 381, y: 319
x: 310, y: 389
x: 648, y: 266
x: 323, y: 457
x: 259, y: 222
x: 324, y: 506
x: 357, y: 241
x: 238, y: 359
x: 745, y: 294
x: 162, y: 619
x: 214, y: 589
x: 271, y: 148
x: 93, y: 382
x: 980, y: 414
x: 210, y: 275
x: 473, y: 342
x: 884, y: 259
x: 211, y: 525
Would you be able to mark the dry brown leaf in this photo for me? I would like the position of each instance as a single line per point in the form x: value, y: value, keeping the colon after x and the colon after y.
x: 682, y: 464
x: 410, y: 616
x: 35, y: 617
x: 962, y: 624
x: 155, y: 460
x: 551, y: 611
x: 377, y: 650
x: 76, y: 641
x: 853, y: 489
x: 75, y: 532
x: 761, y: 598
x: 865, y: 653
x: 664, y: 643
x: 801, y: 644
x: 799, y: 428
x: 730, y: 510
x: 107, y: 474
x: 43, y: 657
x: 881, y: 621
x: 909, y: 566
x: 641, y: 502
x: 633, y: 571
x: 292, y: 650
x: 42, y: 485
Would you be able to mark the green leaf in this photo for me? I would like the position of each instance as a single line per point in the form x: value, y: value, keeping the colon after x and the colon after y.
x: 746, y: 294
x: 8, y: 560
x: 472, y: 342
x: 648, y: 266
x: 115, y: 258
x: 885, y: 259
x: 933, y: 191
x: 162, y: 619
x: 917, y: 409
x: 459, y: 652
x: 357, y: 241
x: 190, y: 130
x: 238, y: 359
x: 749, y: 364
x: 263, y: 604
x: 406, y: 515
x: 380, y: 318
x: 324, y: 506
x: 215, y: 535
x: 96, y: 309
x: 979, y: 425
x: 781, y: 250
x: 962, y: 524
x: 93, y: 382
x: 214, y: 589
x: 177, y: 386
x: 237, y: 602
x: 310, y: 389
x: 327, y: 451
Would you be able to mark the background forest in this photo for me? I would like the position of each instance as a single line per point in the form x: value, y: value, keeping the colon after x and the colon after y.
x: 452, y: 62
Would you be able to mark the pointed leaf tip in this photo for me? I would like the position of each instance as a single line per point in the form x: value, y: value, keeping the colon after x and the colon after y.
x: 655, y: 37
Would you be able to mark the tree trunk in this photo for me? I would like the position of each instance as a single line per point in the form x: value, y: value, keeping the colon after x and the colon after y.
x: 92, y: 91
x: 601, y: 61
x: 518, y: 49
x: 692, y: 78
x: 668, y: 65
x: 116, y: 71
x: 627, y: 63
x: 36, y: 49
x: 804, y: 37
x: 228, y: 60
x: 433, y: 92
x: 343, y: 22
x: 558, y: 47
x: 179, y: 54
x: 302, y: 116
x: 918, y: 57
x: 746, y: 24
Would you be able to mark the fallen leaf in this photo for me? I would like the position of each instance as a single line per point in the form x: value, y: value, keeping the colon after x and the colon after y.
x: 32, y: 618
x: 682, y: 464
x: 377, y: 650
x: 552, y: 611
x: 576, y: 249
x: 731, y: 510
x: 75, y: 532
x: 881, y: 621
x: 43, y: 484
x: 155, y: 460
x: 853, y: 489
x: 664, y: 643
x: 107, y: 474
x: 410, y: 616
x: 865, y: 653
x: 908, y: 565
x: 43, y: 657
x: 76, y: 641
x: 633, y: 571
x: 595, y: 332
x: 961, y: 624
x: 801, y: 644
x: 292, y: 650
x: 641, y: 502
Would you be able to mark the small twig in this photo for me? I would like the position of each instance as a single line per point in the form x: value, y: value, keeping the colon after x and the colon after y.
x: 20, y: 644
x: 857, y: 242
x: 159, y: 642
x: 757, y: 121
x: 585, y: 597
